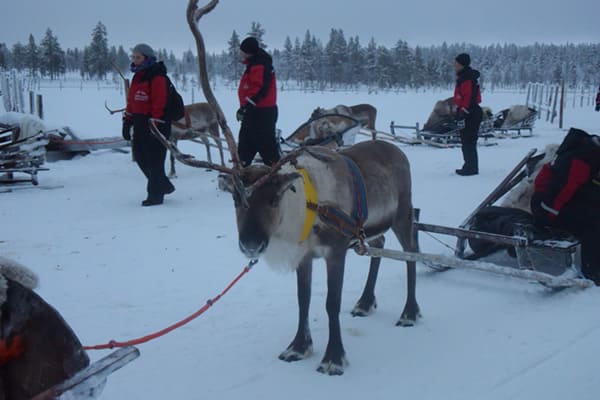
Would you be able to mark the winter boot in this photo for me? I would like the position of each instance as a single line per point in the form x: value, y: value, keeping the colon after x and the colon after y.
x: 153, y: 200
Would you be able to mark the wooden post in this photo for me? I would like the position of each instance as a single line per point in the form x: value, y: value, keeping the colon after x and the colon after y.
x: 549, y: 103
x: 562, y: 105
x: 554, y: 103
x: 540, y: 102
x: 31, y: 103
x: 528, y: 94
x: 582, y: 96
x: 40, y: 106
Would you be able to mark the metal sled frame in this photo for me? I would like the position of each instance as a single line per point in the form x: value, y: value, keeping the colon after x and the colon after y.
x: 515, y: 130
x: 527, y: 248
x: 447, y: 139
x: 24, y: 156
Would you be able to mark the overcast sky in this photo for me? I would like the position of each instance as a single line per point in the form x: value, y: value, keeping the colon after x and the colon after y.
x: 161, y: 23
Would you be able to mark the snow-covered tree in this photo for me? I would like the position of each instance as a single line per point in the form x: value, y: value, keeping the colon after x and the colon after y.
x: 97, y: 60
x: 4, y: 55
x: 52, y: 56
x: 234, y: 65
x: 32, y: 56
x: 258, y: 32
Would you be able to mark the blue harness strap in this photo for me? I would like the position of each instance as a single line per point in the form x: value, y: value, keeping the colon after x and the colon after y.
x: 361, y: 211
x: 350, y: 226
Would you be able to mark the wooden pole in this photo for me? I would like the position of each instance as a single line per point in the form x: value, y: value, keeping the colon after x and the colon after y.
x: 540, y: 102
x: 555, y: 102
x: 562, y: 105
x: 40, y: 106
x: 528, y: 94
x: 31, y: 103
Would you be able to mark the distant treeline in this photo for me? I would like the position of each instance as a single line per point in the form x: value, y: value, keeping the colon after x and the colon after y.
x: 340, y: 62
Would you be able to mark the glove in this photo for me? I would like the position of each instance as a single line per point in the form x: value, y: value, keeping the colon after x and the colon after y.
x: 239, y: 115
x: 460, y: 123
x: 126, y: 131
x: 597, y: 107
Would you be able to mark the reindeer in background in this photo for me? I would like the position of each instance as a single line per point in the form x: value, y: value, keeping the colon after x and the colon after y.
x: 285, y: 213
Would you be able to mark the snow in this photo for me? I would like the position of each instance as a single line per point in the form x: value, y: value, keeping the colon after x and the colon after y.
x: 116, y: 270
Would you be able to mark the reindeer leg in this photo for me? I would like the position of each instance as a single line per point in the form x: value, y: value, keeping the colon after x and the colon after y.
x: 403, y: 228
x: 334, y: 359
x: 207, y: 144
x: 367, y: 303
x: 301, y: 346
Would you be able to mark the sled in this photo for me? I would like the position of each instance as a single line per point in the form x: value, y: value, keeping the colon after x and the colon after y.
x: 545, y: 258
x: 447, y: 138
x: 21, y: 158
x: 329, y: 130
x: 514, y: 128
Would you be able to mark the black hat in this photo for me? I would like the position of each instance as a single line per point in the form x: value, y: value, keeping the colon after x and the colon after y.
x: 463, y: 59
x: 250, y: 46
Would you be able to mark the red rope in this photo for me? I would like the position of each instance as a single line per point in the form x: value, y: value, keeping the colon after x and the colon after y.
x: 113, y: 343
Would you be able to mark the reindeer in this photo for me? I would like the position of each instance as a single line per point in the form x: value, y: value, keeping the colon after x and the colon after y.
x: 200, y: 123
x: 282, y: 216
x: 366, y: 114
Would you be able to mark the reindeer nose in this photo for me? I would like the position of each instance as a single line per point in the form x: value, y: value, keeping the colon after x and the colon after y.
x: 253, y: 249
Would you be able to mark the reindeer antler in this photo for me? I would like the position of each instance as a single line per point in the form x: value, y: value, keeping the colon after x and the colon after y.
x: 194, y: 13
x: 186, y: 159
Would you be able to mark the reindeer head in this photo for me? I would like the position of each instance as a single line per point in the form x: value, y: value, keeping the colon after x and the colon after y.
x: 257, y: 194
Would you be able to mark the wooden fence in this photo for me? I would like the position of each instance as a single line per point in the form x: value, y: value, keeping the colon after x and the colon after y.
x: 13, y: 87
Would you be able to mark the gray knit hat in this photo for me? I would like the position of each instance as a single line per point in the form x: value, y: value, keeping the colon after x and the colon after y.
x: 144, y: 49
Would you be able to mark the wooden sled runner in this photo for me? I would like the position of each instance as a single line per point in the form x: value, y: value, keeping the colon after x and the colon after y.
x: 21, y: 158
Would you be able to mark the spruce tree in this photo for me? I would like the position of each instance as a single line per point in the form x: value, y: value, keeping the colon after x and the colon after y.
x: 52, y: 56
x: 233, y: 65
x: 98, y: 61
x: 258, y: 32
x: 32, y: 56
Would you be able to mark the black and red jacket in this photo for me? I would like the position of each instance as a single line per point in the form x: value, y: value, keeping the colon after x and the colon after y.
x: 574, y: 172
x: 258, y: 85
x: 467, y: 94
x: 148, y: 92
x: 598, y: 99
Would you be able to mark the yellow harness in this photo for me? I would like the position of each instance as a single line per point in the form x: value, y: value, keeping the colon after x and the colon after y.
x: 312, y: 199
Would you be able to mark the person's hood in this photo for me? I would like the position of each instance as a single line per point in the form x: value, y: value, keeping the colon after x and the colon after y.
x: 262, y: 57
x: 469, y: 73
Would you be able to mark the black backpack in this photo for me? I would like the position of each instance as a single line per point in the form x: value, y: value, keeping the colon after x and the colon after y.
x: 174, y: 110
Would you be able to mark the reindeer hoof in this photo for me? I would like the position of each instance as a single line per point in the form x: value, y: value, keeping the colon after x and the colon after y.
x: 332, y: 368
x: 292, y: 355
x: 409, y: 317
x: 364, y: 308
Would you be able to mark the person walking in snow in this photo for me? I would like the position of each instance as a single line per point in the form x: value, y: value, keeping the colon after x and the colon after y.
x: 598, y: 100
x: 467, y: 97
x: 146, y: 102
x: 258, y: 106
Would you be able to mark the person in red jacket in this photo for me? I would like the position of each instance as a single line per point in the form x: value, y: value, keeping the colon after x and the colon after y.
x: 258, y: 106
x: 146, y: 102
x: 567, y: 196
x: 467, y: 97
x: 598, y: 100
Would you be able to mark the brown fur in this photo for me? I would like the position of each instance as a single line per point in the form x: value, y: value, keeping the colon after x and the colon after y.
x: 273, y: 215
x: 199, y: 123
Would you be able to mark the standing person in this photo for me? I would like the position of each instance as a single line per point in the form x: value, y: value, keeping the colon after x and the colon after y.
x: 567, y: 196
x: 146, y: 104
x: 258, y: 106
x: 598, y: 100
x: 467, y: 96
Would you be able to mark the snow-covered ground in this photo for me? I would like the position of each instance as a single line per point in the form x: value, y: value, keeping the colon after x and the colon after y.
x: 116, y: 270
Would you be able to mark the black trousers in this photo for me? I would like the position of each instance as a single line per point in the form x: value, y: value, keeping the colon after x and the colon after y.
x: 257, y: 135
x: 150, y: 156
x: 468, y: 138
x: 581, y: 218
